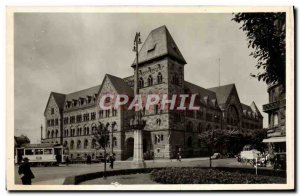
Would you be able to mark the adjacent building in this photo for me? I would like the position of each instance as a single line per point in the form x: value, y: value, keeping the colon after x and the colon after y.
x: 276, y: 114
x: 71, y: 118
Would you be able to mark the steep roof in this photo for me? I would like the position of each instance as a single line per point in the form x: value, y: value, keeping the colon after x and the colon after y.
x: 254, y: 108
x: 159, y: 43
x: 120, y: 85
x: 197, y: 89
x: 83, y: 93
x: 222, y: 92
x: 59, y: 99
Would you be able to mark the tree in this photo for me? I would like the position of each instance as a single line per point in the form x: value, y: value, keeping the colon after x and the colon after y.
x: 101, y: 135
x: 216, y: 138
x: 266, y: 35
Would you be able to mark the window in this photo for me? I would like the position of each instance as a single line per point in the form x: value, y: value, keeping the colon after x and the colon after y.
x: 56, y: 133
x: 48, y: 134
x: 29, y: 152
x: 275, y: 119
x: 159, y: 78
x: 66, y: 120
x: 156, y: 109
x: 93, y: 116
x: 175, y: 79
x: 199, y: 128
x: 52, y: 110
x: 93, y: 143
x: 38, y: 151
x: 86, y: 143
x: 72, y: 119
x: 52, y: 134
x: 78, y: 144
x: 56, y: 121
x: 48, y: 123
x: 72, y: 145
x: 158, y: 121
x: 115, y: 144
x: 141, y: 83
x: 114, y: 112
x: 87, y: 130
x: 101, y: 114
x: 107, y: 113
x: 52, y: 122
x: 86, y: 117
x: 79, y: 118
x: 150, y: 80
x: 47, y: 151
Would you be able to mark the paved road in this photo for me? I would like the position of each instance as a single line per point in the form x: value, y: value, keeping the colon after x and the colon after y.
x: 56, y: 175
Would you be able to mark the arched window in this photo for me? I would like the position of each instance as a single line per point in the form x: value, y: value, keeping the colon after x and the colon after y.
x: 199, y: 128
x: 56, y: 133
x: 175, y: 79
x: 48, y: 134
x: 87, y: 130
x: 150, y: 80
x: 72, y: 145
x: 115, y: 143
x: 141, y: 83
x: 159, y: 78
x: 78, y: 144
x: 52, y: 134
x: 93, y: 143
x: 86, y: 143
x: 66, y: 144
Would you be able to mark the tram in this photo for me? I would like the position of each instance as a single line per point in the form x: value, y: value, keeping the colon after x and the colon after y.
x: 41, y: 154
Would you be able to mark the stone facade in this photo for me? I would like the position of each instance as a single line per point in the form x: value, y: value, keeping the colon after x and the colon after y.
x: 276, y: 115
x: 161, y: 71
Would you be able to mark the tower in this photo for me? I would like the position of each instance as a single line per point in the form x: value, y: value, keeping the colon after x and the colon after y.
x: 161, y: 71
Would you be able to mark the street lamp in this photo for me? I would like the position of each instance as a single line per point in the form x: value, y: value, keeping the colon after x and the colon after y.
x: 136, y: 123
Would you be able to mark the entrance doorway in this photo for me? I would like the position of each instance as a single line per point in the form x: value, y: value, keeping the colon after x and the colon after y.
x: 129, y: 148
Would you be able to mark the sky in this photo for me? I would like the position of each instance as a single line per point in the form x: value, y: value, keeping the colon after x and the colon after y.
x: 64, y: 53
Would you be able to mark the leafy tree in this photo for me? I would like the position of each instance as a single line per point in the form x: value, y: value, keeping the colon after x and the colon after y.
x: 266, y: 35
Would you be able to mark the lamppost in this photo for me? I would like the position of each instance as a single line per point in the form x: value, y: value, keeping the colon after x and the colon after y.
x: 136, y: 123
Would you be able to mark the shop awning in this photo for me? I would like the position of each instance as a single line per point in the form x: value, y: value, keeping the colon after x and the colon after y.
x: 274, y: 140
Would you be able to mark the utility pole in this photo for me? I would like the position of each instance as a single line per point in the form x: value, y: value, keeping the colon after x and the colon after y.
x: 41, y: 133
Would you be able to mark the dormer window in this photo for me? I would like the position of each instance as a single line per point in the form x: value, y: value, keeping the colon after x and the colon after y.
x: 152, y: 48
x: 89, y: 99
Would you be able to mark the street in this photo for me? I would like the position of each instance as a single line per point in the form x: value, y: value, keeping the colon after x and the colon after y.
x: 56, y: 175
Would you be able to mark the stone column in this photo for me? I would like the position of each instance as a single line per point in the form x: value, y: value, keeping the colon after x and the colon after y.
x: 138, y: 157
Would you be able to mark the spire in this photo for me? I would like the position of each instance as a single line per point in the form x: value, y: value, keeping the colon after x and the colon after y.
x: 159, y: 43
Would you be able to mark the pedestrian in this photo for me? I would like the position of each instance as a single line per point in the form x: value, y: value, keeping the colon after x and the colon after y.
x: 111, y: 159
x: 25, y: 172
x: 178, y: 156
x: 88, y: 159
x: 67, y: 160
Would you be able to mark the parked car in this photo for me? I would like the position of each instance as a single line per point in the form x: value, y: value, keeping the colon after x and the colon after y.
x: 216, y: 155
x: 280, y: 161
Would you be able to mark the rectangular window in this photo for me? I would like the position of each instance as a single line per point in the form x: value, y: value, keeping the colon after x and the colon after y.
x: 56, y: 121
x: 52, y: 110
x: 29, y: 152
x: 93, y: 116
x: 47, y: 151
x: 38, y: 151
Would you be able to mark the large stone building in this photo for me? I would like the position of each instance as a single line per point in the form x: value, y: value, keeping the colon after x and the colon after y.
x: 276, y: 114
x: 70, y: 118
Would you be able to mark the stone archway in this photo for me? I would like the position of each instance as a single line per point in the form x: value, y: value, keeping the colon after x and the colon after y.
x: 129, y: 148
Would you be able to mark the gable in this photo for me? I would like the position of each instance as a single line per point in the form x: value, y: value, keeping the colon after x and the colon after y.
x: 51, y: 104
